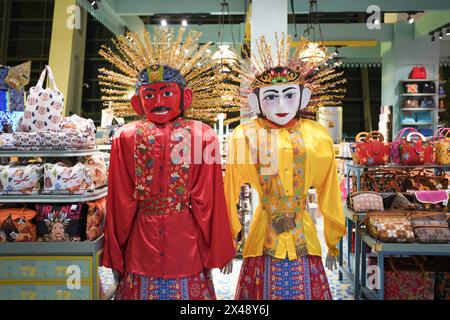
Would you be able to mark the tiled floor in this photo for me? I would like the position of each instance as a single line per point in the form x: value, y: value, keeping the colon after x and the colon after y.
x: 225, y: 285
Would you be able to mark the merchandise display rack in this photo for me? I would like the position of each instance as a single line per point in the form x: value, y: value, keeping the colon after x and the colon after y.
x: 46, y: 270
x: 434, y: 110
x: 354, y: 221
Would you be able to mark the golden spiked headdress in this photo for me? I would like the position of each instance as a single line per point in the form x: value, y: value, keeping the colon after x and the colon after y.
x: 292, y: 64
x: 158, y: 56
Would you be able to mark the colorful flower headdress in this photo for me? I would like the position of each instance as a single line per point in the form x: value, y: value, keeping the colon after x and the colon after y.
x: 57, y: 217
x: 293, y: 65
x: 161, y: 53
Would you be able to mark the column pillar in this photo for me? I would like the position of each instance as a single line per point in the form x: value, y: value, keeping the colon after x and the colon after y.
x: 268, y: 17
x: 67, y: 54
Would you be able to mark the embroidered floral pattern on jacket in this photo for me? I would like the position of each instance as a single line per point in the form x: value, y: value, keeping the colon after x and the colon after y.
x: 162, y: 188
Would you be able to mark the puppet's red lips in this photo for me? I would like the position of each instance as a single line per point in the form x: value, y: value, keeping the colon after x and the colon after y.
x: 161, y: 110
x: 281, y: 115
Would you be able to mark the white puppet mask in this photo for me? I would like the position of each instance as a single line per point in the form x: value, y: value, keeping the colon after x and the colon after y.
x: 280, y: 103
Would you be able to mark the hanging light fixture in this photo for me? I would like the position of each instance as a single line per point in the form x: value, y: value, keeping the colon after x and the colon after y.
x: 224, y: 56
x: 316, y: 51
x: 410, y: 18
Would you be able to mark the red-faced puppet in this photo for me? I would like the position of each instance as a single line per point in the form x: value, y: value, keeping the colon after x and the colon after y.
x: 161, y: 94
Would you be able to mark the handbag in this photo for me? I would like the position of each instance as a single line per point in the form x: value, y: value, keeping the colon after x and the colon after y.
x: 416, y: 152
x: 16, y: 225
x: 360, y: 137
x: 398, y: 140
x: 411, y: 103
x: 364, y: 201
x: 43, y: 106
x: 401, y: 202
x: 283, y: 222
x: 436, y: 200
x: 442, y: 144
x: 418, y: 72
x: 20, y: 179
x: 384, y: 180
x: 411, y: 88
x: 59, y: 178
x: 97, y: 168
x: 373, y: 151
x: 95, y: 218
x: 431, y: 227
x: 421, y: 179
x: 427, y: 102
x: 19, y: 76
x: 390, y: 226
x: 59, y: 223
x: 428, y: 87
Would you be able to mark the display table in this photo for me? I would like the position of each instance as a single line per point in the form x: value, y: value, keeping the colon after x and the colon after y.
x: 382, y: 250
x: 353, y: 221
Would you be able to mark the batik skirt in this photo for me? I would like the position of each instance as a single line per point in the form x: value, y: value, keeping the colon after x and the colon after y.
x: 139, y: 287
x: 268, y: 278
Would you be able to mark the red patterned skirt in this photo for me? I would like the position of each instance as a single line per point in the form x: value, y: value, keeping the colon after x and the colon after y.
x: 268, y: 278
x: 138, y: 287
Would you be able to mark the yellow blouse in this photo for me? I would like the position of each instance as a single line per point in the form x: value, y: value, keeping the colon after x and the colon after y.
x: 281, y: 171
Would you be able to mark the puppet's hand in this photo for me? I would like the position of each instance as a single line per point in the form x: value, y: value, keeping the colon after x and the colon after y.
x: 228, y: 268
x: 331, y: 262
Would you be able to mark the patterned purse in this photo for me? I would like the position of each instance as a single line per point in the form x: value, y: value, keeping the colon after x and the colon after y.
x: 398, y: 140
x: 373, y: 151
x: 43, y: 106
x: 390, y: 226
x: 283, y: 222
x: 366, y: 201
x: 416, y: 152
x: 431, y: 227
x: 360, y: 137
x: 442, y: 144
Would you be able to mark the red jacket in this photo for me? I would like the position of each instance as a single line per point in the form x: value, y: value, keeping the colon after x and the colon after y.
x: 165, y: 218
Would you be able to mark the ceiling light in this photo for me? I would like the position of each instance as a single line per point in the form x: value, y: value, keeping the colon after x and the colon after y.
x: 433, y: 37
x: 95, y: 3
x: 184, y: 23
x: 441, y: 34
x: 448, y: 32
x: 410, y: 18
x: 163, y: 22
x: 376, y: 21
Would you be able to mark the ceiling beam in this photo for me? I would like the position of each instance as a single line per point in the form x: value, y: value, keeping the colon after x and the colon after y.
x: 147, y: 7
x: 356, y: 34
x: 111, y: 20
x: 431, y: 21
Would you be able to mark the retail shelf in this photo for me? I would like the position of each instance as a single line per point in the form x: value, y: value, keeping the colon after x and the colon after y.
x: 442, y: 110
x: 441, y: 96
x: 418, y: 94
x: 51, y: 248
x: 418, y: 124
x: 418, y: 109
x: 350, y: 164
x: 406, y: 248
x: 442, y: 81
x: 54, y: 198
x: 418, y: 80
x: 47, y: 153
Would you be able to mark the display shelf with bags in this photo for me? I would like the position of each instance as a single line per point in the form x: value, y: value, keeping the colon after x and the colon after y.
x: 419, y: 103
x: 69, y: 238
x: 355, y: 221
